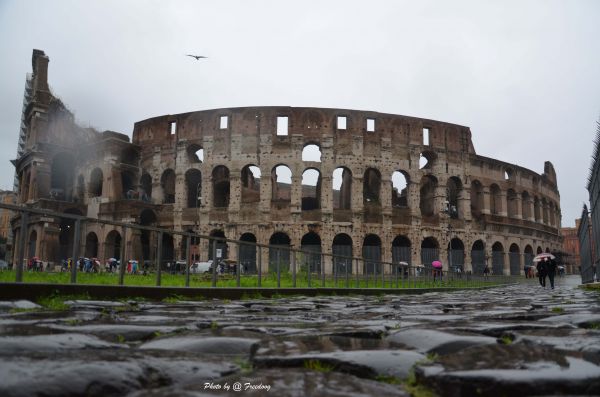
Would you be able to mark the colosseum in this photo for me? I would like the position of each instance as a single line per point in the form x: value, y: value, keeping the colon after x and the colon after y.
x: 383, y: 187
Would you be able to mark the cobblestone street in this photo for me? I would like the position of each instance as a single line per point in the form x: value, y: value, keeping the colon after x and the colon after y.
x: 512, y: 340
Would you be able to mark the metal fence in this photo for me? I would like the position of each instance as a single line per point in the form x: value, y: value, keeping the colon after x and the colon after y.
x: 285, y: 267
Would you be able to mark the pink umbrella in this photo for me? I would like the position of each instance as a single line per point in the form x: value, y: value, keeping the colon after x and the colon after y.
x: 436, y: 264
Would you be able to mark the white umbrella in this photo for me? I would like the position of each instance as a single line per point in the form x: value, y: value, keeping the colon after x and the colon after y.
x: 539, y: 257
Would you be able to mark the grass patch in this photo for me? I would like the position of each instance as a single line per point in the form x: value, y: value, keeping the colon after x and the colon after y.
x: 173, y: 299
x: 318, y: 365
x: 558, y: 310
x: 392, y: 380
x: 594, y: 326
x: 57, y: 302
x: 506, y: 340
x: 214, y: 325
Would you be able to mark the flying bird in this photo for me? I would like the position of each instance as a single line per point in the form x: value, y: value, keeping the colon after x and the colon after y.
x: 196, y: 56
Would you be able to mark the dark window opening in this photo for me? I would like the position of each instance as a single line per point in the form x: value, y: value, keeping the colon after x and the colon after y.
x: 167, y: 182
x: 193, y: 183
x: 342, y: 189
x: 220, y: 176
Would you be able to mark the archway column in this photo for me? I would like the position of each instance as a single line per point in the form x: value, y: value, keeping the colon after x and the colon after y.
x: 487, y: 203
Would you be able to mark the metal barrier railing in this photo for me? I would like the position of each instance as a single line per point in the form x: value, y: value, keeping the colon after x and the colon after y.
x: 286, y: 266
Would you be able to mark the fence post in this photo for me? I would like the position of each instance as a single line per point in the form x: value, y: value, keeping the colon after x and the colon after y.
x: 76, y: 240
x: 293, y: 254
x: 214, y: 263
x: 357, y: 280
x: 21, y: 253
x: 188, y: 261
x: 346, y: 269
x: 159, y: 255
x: 259, y: 266
x: 308, y: 268
x: 123, y: 252
x: 278, y: 268
x: 238, y: 268
x: 322, y: 270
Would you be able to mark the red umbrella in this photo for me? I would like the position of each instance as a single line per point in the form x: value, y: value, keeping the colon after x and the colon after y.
x: 436, y: 264
x: 539, y: 257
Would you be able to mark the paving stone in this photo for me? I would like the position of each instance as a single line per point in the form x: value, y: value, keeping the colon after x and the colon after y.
x: 431, y: 341
x: 208, y: 345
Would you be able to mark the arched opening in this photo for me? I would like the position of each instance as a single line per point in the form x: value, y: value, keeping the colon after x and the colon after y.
x: 372, y: 254
x: 427, y: 196
x: 342, y: 254
x: 551, y: 214
x: 311, y: 242
x: 426, y: 160
x: 91, y: 245
x: 528, y: 255
x: 279, y: 253
x: 96, y: 181
x: 478, y: 260
x: 430, y: 251
x: 281, y: 183
x: 525, y: 205
x: 536, y: 209
x: 221, y: 248
x: 61, y: 177
x: 248, y: 253
x: 167, y: 182
x: 128, y: 185
x: 401, y: 251
x: 113, y: 245
x: 147, y: 218
x: 539, y: 250
x: 193, y: 185
x: 476, y: 199
x: 453, y: 191
x: 544, y: 205
x: 220, y: 177
x: 342, y: 189
x: 311, y: 190
x: 495, y: 199
x: 371, y: 187
x: 497, y: 258
x: 514, y: 258
x: 456, y: 255
x: 311, y: 152
x: 399, y: 189
x: 146, y: 186
x: 32, y: 244
x: 167, y: 260
x: 195, y: 154
x: 66, y: 234
x: 250, y: 184
x: 511, y: 203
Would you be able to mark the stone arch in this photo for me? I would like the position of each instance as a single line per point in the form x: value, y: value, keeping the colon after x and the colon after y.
x: 342, y: 189
x: 478, y: 259
x: 528, y: 255
x: 551, y: 213
x: 495, y: 199
x: 112, y: 244
x: 342, y: 253
x: 195, y: 153
x: 311, y: 189
x: 221, y: 186
x: 539, y: 250
x: 427, y: 160
x: 430, y: 250
x: 167, y: 182
x: 91, y: 245
x: 511, y: 203
x: 96, y: 182
x: 281, y: 183
x: 497, y: 258
x: 311, y: 152
x: 147, y: 218
x: 544, y: 205
x: 279, y: 252
x: 372, y: 186
x: 427, y: 195
x: 311, y: 242
x: 193, y: 187
x: 514, y: 256
x: 247, y: 257
x: 400, y: 184
x: 401, y: 249
x: 456, y: 255
x: 371, y: 252
x: 146, y: 185
x: 61, y: 176
x: 250, y: 184
x: 454, y: 189
x: 536, y: 209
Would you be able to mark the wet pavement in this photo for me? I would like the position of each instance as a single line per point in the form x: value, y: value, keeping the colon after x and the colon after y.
x: 505, y: 341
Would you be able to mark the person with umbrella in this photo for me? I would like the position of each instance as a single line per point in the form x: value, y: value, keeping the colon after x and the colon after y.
x: 551, y: 270
x: 437, y: 269
x: 542, y: 268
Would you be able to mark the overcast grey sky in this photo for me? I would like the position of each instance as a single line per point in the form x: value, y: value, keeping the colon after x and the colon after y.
x: 523, y: 75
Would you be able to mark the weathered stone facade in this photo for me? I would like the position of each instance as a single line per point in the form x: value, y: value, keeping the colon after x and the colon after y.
x: 192, y: 171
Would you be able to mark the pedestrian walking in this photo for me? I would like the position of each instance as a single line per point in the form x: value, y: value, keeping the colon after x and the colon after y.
x: 542, y: 271
x: 551, y: 271
x: 486, y: 271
